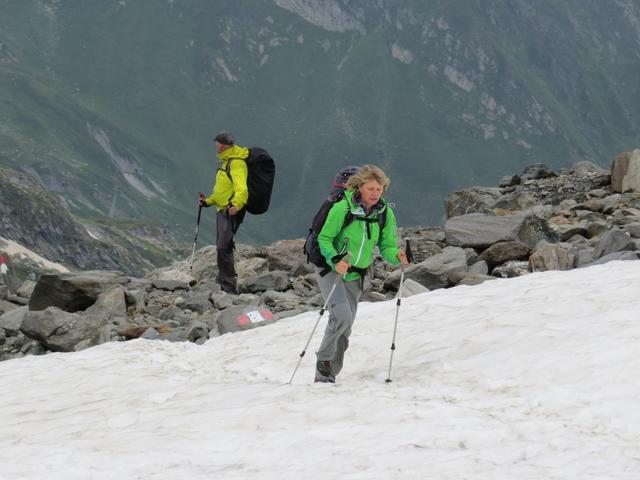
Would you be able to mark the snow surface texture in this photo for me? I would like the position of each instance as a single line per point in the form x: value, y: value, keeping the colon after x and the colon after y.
x: 528, y: 378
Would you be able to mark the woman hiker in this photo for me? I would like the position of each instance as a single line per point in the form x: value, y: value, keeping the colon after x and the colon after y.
x: 349, y: 250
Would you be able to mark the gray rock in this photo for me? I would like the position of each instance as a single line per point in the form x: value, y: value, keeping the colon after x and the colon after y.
x: 285, y: 254
x: 511, y: 269
x: 585, y: 257
x: 198, y: 333
x: 170, y: 285
x: 7, y: 306
x: 474, y: 279
x: 434, y: 272
x: 613, y: 241
x: 235, y: 319
x: 276, y: 280
x: 515, y: 201
x: 586, y: 167
x: 250, y: 267
x: 631, y: 179
x: 199, y: 302
x: 509, y: 181
x: 502, y: 252
x: 281, y: 301
x: 221, y: 300
x: 151, y: 334
x: 472, y: 200
x: 72, y: 292
x: 596, y: 228
x: 482, y: 231
x: 633, y: 229
x: 537, y: 171
x: 109, y: 304
x: 26, y: 289
x: 479, y: 268
x: 567, y: 229
x: 550, y: 256
x: 410, y: 288
x: 62, y: 331
x: 626, y: 255
x: 12, y: 320
x: 619, y: 167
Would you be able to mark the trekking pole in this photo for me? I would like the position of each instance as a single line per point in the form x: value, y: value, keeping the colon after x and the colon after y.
x: 398, y: 302
x: 193, y: 250
x: 339, y: 278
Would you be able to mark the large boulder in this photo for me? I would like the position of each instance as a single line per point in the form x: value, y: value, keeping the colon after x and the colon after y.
x: 549, y: 256
x: 502, y: 252
x: 239, y: 318
x: 276, y: 280
x: 481, y: 231
x: 62, y: 331
x: 285, y: 254
x: 434, y: 272
x: 619, y: 169
x: 613, y: 241
x: 72, y: 292
x: 631, y: 180
x: 536, y: 172
x: 11, y: 321
x: 472, y: 200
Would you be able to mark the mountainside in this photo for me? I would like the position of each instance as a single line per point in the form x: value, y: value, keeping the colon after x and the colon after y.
x: 36, y: 219
x: 112, y: 105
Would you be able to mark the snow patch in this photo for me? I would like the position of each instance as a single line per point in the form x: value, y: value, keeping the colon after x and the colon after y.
x: 458, y: 79
x: 402, y: 54
x: 528, y: 378
x: 327, y: 14
x: 16, y: 250
x: 129, y: 168
x: 230, y: 76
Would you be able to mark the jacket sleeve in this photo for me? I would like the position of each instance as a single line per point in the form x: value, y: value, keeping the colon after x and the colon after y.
x: 388, y: 242
x: 331, y: 229
x: 239, y: 174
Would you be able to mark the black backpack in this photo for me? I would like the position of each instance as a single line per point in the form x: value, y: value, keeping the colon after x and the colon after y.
x: 261, y: 173
x: 311, y: 247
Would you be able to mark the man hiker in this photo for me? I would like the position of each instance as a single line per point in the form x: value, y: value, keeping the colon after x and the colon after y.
x: 229, y: 196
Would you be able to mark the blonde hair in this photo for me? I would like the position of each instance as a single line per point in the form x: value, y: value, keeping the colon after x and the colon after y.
x: 366, y: 173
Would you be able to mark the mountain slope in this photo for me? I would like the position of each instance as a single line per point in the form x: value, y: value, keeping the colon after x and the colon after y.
x: 113, y: 104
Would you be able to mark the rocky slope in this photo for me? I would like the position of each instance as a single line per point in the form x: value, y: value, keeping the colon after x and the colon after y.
x: 538, y: 220
x: 38, y: 220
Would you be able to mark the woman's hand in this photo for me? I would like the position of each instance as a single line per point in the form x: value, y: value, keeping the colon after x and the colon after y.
x: 342, y: 267
x: 402, y: 256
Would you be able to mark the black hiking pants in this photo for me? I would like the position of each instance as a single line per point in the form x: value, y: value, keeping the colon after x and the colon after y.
x: 226, y: 227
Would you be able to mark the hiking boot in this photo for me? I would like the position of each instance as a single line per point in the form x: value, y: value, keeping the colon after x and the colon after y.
x: 323, y: 372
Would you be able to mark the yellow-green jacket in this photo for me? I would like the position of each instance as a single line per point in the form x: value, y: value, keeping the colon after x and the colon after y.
x: 230, y: 191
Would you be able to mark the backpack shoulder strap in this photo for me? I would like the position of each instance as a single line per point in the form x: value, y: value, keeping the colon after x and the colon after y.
x: 227, y: 169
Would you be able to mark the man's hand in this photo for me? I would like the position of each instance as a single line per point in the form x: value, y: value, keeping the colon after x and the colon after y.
x: 202, y: 200
x: 232, y: 210
x: 402, y: 256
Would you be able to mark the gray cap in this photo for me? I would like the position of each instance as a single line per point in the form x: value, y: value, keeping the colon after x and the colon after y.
x: 225, y: 138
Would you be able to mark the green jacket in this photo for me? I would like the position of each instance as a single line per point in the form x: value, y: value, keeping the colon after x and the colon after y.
x: 332, y: 237
x: 231, y: 191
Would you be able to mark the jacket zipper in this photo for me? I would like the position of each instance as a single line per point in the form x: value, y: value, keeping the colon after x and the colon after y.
x: 361, y: 244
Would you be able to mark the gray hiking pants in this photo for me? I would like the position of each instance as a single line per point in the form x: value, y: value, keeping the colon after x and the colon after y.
x: 226, y: 227
x: 342, y: 308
